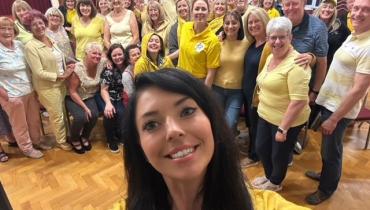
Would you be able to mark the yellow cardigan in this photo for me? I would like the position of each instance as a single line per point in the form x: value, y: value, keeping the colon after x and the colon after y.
x: 43, y: 65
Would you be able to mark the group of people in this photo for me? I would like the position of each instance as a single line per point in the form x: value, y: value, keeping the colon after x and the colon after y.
x: 83, y: 59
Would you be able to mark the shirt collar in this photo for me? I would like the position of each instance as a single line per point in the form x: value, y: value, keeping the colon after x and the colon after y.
x: 364, y: 35
x: 3, y: 48
x: 303, y: 24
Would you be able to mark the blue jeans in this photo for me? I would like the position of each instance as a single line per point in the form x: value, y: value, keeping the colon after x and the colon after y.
x: 332, y: 155
x: 274, y: 155
x: 114, y: 126
x: 231, y: 100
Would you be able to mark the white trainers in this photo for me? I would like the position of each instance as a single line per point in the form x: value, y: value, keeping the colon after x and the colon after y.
x: 247, y: 162
x: 259, y: 181
x: 269, y: 186
x: 34, y: 153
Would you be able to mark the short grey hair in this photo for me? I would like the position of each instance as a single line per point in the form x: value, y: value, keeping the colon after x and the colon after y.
x: 279, y: 24
x: 93, y: 46
x: 55, y: 11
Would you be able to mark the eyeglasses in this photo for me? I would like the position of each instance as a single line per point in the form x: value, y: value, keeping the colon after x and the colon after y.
x: 281, y: 38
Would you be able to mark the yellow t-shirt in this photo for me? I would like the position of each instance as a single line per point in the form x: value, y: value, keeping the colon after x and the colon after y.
x: 230, y: 73
x: 86, y: 34
x: 261, y: 199
x: 198, y: 52
x: 145, y: 64
x: 216, y: 23
x: 273, y: 13
x: 24, y: 36
x: 277, y: 88
x: 71, y: 15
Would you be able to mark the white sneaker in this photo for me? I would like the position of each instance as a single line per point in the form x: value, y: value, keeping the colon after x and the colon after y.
x: 269, y: 186
x: 247, y: 162
x: 33, y: 153
x: 259, y: 181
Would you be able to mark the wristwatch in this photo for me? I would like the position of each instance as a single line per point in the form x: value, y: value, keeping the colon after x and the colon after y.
x: 282, y: 131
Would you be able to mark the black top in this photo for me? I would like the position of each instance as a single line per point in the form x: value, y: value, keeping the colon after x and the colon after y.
x: 113, y: 79
x: 338, y: 33
x: 251, y: 63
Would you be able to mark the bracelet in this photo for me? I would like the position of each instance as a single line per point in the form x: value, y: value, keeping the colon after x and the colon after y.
x: 282, y: 131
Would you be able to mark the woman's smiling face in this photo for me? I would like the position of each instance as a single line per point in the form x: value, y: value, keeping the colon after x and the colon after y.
x: 175, y: 134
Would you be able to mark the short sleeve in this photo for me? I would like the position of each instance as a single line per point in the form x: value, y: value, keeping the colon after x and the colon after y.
x: 298, y: 79
x: 363, y: 64
x: 213, y: 55
x: 321, y: 41
x: 106, y: 77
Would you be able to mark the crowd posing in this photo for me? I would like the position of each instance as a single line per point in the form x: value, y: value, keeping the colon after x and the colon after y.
x: 161, y: 71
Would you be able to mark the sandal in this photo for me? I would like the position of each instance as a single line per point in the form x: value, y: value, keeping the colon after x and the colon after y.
x: 77, y: 147
x: 86, y: 144
x: 3, y: 157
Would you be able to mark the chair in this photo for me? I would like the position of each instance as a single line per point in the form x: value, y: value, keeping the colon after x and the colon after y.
x: 364, y: 117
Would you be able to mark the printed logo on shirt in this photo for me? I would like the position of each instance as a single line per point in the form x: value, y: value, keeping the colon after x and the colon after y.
x: 199, y: 47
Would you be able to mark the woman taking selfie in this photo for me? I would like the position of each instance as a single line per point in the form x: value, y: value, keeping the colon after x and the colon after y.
x: 181, y: 152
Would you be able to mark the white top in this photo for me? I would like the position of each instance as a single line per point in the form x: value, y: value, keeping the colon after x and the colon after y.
x: 120, y: 32
x: 128, y: 80
x: 59, y: 58
x: 14, y: 74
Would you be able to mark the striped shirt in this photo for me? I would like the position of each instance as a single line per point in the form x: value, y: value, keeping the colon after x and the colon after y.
x: 351, y: 58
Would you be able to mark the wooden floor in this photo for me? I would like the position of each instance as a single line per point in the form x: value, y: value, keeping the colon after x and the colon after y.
x: 65, y: 180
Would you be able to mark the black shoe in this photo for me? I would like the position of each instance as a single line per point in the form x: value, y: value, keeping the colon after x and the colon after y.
x: 86, y: 144
x: 77, y: 147
x: 313, y: 175
x: 13, y: 144
x: 113, y: 147
x: 316, y: 198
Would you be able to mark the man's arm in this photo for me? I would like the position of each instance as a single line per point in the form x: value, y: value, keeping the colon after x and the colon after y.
x: 320, y: 73
x: 356, y: 93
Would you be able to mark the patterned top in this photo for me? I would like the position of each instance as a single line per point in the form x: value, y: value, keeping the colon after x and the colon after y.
x: 88, y: 86
x: 113, y: 79
x: 62, y: 41
x: 14, y: 75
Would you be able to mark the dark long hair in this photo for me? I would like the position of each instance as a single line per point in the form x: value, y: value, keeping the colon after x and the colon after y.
x: 237, y: 17
x: 109, y: 55
x: 223, y: 187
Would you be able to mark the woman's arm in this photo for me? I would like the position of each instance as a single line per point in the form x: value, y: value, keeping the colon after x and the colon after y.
x: 291, y: 114
x: 211, y: 73
x: 109, y: 109
x: 106, y: 35
x: 74, y: 83
x: 134, y: 29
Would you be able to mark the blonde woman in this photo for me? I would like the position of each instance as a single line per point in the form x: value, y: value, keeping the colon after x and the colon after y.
x: 19, y: 9
x: 156, y: 22
x: 219, y: 10
x: 56, y: 31
x: 103, y: 7
x: 337, y: 30
x: 120, y: 26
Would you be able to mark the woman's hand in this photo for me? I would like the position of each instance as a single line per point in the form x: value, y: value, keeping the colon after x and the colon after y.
x: 304, y: 60
x: 88, y: 114
x: 279, y: 137
x: 4, y: 94
x: 109, y: 111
